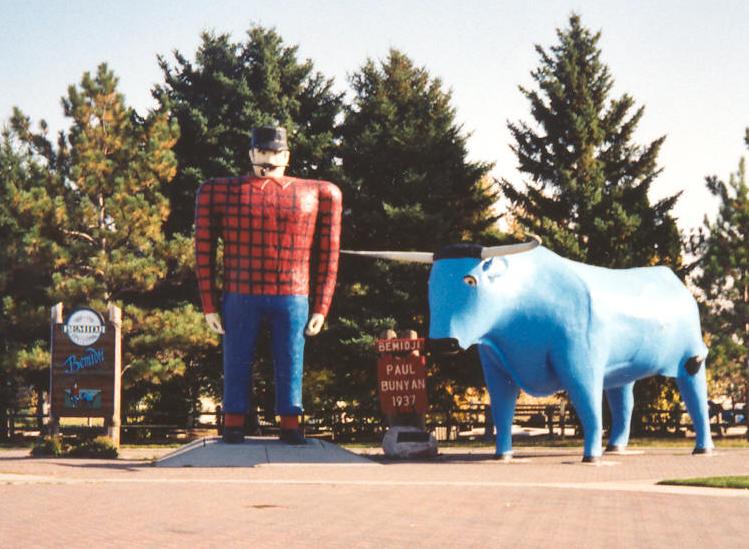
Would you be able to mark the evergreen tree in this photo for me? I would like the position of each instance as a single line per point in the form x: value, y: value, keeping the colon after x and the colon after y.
x: 228, y: 89
x: 587, y: 189
x: 586, y: 192
x: 407, y: 186
x: 27, y: 252
x: 723, y: 278
x: 98, y: 215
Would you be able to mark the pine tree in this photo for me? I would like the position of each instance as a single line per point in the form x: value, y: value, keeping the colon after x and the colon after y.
x: 99, y: 213
x: 228, y: 89
x: 407, y: 186
x: 586, y: 192
x: 27, y: 252
x: 723, y: 277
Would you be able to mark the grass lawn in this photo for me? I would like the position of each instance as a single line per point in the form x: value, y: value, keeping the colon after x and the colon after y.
x: 711, y: 482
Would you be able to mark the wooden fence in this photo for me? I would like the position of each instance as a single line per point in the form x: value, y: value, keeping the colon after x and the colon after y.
x: 470, y: 422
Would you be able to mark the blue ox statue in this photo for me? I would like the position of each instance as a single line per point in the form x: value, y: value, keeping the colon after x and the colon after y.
x: 544, y: 323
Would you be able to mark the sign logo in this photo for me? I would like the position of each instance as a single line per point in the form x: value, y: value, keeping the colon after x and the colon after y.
x: 91, y: 359
x: 82, y: 398
x: 84, y: 327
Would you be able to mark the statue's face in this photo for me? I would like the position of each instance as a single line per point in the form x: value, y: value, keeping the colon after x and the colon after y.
x: 268, y: 163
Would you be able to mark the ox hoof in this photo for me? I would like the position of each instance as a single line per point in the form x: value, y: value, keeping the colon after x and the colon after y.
x: 702, y: 451
x: 591, y: 459
x: 616, y: 448
x: 507, y: 456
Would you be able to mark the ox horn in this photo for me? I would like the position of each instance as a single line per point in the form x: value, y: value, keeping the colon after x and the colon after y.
x: 509, y: 249
x: 409, y: 257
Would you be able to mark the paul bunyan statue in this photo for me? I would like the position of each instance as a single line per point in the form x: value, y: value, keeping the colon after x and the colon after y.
x: 269, y: 224
x: 543, y: 323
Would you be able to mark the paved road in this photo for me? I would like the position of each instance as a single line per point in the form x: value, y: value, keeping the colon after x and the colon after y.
x: 546, y: 498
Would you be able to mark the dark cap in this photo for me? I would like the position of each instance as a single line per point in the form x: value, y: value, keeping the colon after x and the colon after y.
x: 269, y: 138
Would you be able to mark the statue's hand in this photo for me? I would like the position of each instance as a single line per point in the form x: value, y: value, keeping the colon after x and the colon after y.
x: 315, y: 324
x: 214, y: 322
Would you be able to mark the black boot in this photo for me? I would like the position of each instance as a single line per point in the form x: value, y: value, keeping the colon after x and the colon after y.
x: 294, y: 437
x: 233, y: 435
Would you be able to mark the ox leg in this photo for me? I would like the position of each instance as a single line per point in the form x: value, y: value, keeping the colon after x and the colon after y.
x: 693, y: 389
x: 503, y: 394
x: 621, y: 402
x: 586, y: 394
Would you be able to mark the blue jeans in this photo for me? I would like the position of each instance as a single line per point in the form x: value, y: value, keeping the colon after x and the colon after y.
x: 243, y: 316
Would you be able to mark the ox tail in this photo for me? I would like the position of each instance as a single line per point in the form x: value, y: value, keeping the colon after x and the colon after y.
x: 693, y: 364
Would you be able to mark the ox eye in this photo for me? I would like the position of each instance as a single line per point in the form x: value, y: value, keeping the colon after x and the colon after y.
x: 470, y: 280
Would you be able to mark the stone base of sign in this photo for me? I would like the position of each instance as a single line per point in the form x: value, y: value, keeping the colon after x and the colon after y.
x: 213, y: 452
x: 406, y: 442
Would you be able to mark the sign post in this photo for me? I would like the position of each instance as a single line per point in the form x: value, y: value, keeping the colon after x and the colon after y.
x: 401, y: 380
x: 86, y: 353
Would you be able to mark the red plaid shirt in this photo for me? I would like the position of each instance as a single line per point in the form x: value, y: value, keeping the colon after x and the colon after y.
x: 268, y: 229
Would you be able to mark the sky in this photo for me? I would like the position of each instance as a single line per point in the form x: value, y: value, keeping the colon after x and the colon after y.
x: 686, y: 61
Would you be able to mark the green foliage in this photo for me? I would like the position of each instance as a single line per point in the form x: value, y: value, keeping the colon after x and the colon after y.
x: 101, y: 447
x: 29, y: 249
x: 407, y: 180
x: 104, y: 197
x: 53, y: 446
x: 87, y: 215
x: 229, y: 88
x: 586, y: 192
x: 49, y: 446
x: 407, y: 185
x: 723, y: 278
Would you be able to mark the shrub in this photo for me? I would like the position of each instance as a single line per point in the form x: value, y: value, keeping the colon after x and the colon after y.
x: 49, y: 446
x: 99, y: 447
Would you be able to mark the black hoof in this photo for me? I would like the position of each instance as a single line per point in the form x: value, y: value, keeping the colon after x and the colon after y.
x: 616, y: 448
x: 591, y: 459
x: 693, y: 365
x: 507, y: 456
x: 702, y: 451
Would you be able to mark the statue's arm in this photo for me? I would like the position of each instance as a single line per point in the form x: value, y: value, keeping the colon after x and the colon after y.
x: 329, y: 238
x: 207, y: 229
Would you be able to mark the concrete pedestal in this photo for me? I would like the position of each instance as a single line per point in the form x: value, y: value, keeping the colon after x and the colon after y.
x: 213, y: 452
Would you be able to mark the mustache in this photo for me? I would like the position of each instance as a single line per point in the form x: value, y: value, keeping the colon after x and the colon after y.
x: 265, y: 167
x: 269, y: 165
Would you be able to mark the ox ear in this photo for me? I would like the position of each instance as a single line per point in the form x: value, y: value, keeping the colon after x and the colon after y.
x: 494, y: 267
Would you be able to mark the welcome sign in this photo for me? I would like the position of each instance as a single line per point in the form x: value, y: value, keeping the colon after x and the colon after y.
x: 401, y: 376
x: 85, y: 369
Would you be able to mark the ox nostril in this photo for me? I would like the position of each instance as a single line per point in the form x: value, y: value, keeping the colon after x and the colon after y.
x: 443, y: 346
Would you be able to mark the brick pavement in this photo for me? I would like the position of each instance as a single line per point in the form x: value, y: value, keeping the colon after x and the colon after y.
x: 546, y: 498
